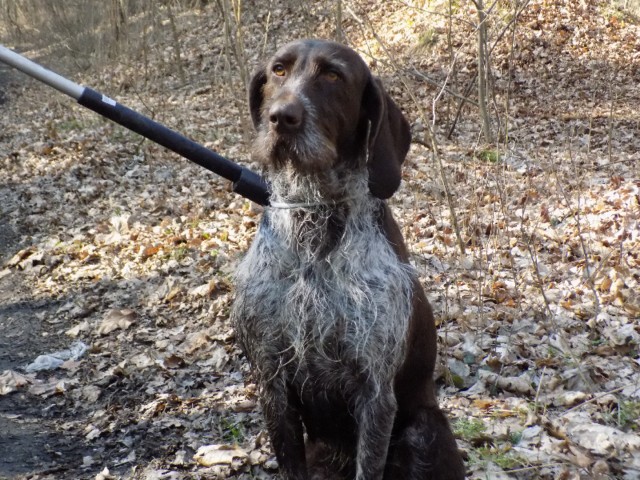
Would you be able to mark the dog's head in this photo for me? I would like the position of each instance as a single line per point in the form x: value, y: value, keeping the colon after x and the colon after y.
x: 315, y: 103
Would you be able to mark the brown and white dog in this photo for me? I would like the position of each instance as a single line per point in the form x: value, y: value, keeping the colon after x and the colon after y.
x: 328, y: 309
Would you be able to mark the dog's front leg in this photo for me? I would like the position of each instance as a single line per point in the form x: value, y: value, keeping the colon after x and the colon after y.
x: 375, y: 423
x: 285, y: 430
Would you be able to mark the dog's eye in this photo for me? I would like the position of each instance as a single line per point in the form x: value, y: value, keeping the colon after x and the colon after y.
x: 279, y: 70
x: 332, y: 76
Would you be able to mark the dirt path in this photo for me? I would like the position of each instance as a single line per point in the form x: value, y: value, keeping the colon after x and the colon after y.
x: 29, y: 441
x: 5, y: 74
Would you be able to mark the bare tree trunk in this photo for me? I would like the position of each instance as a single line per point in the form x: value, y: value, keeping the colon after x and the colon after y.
x: 449, y: 120
x: 155, y: 25
x: 339, y: 32
x: 239, y: 43
x: 483, y: 61
x: 10, y: 9
x: 231, y: 11
x: 176, y: 43
x: 119, y: 26
x: 147, y: 12
x: 505, y: 132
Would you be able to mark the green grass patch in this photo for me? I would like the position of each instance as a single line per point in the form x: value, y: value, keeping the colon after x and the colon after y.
x: 469, y: 429
x: 69, y: 125
x: 489, y: 155
x: 626, y: 416
x: 232, y: 431
x: 504, y: 457
x: 180, y: 253
x: 428, y: 39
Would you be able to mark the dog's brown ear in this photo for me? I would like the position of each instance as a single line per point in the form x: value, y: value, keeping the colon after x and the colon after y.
x: 389, y: 140
x: 256, y: 96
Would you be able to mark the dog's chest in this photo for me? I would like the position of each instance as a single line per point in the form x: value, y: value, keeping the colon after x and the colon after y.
x: 345, y: 310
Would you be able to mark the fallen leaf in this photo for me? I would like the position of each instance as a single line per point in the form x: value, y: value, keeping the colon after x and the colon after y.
x: 19, y: 257
x: 82, y: 327
x: 210, y: 455
x: 11, y: 381
x: 602, y: 439
x: 115, y: 320
x: 173, y: 361
x: 105, y: 475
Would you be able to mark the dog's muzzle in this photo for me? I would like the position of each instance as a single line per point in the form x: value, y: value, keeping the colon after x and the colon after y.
x: 286, y: 116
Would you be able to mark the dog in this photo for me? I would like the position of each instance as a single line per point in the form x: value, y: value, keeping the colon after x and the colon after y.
x: 328, y: 309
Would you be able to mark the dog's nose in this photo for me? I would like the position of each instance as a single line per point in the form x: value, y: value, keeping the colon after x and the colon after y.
x: 286, y: 116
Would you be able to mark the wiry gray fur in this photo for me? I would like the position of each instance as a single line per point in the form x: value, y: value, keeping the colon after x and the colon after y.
x: 348, y: 306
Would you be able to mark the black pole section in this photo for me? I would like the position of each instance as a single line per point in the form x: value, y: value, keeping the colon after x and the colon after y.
x: 245, y: 182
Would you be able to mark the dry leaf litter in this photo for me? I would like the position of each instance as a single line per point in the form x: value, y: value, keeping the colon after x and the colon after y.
x: 117, y: 358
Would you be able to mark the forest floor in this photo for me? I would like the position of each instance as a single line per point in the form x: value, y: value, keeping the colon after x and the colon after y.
x: 118, y: 257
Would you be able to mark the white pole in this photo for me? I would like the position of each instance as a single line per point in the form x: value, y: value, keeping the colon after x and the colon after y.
x: 40, y: 73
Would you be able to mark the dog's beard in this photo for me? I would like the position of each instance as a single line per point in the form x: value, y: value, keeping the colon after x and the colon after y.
x: 309, y: 151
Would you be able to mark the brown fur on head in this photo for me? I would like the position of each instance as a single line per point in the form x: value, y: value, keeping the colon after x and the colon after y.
x: 316, y: 103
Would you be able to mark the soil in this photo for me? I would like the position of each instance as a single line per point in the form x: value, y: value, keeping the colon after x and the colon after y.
x: 29, y: 440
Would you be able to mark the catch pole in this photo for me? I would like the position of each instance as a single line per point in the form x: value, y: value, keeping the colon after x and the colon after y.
x: 245, y: 182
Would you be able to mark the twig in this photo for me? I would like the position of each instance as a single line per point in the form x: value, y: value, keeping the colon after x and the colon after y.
x: 464, y: 98
x: 599, y: 167
x: 590, y: 277
x: 534, y: 259
x: 533, y: 467
x: 594, y: 399
x: 611, y: 119
x: 437, y: 13
x: 467, y: 91
x: 473, y: 80
x: 535, y: 400
x: 429, y: 132
x: 267, y: 28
